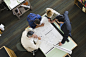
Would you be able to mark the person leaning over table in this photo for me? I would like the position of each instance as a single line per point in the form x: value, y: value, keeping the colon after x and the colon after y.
x: 51, y: 13
x: 65, y: 26
x: 28, y: 38
x: 34, y: 20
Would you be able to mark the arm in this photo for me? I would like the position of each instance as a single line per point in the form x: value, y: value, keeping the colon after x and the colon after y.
x: 56, y: 12
x: 51, y: 21
x: 37, y: 45
x: 40, y: 25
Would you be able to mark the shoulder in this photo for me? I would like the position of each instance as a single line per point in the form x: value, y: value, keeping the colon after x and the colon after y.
x: 26, y: 30
x: 66, y: 17
x: 66, y: 12
x: 39, y: 16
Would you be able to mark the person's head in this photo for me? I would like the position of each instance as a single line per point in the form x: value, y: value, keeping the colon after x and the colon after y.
x: 60, y: 19
x: 49, y: 12
x: 37, y: 21
x: 30, y: 34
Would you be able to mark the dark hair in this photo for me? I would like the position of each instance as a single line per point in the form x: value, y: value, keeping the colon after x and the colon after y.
x: 37, y: 21
x: 60, y: 18
x: 30, y: 33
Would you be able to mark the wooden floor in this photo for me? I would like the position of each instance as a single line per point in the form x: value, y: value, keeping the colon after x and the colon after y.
x: 14, y: 27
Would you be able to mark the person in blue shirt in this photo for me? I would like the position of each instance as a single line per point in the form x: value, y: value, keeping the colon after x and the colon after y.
x: 34, y: 20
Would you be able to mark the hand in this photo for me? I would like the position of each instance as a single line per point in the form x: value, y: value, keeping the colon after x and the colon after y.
x: 51, y: 21
x: 39, y: 38
x: 35, y: 36
x: 60, y: 44
x: 42, y: 24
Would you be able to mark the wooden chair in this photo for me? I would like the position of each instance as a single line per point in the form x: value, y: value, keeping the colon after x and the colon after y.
x: 6, y: 52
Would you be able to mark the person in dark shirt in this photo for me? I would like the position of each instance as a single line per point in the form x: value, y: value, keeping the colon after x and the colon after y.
x: 65, y: 26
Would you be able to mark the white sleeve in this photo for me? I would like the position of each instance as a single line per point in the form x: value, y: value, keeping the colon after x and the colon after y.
x: 35, y: 46
x: 56, y: 12
x: 41, y: 21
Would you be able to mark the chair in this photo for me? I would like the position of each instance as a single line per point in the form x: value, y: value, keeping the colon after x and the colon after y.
x: 20, y: 47
x: 34, y: 52
x: 6, y: 52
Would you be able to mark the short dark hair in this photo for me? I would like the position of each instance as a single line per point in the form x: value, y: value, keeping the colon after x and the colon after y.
x: 60, y: 18
x: 37, y: 21
x: 30, y: 33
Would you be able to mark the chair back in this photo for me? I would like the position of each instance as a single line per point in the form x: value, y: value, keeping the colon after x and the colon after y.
x: 20, y: 47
